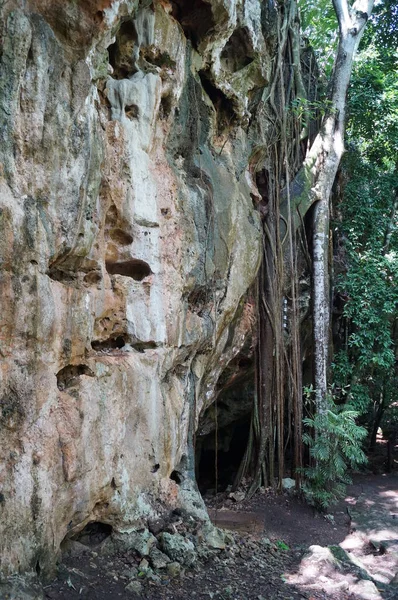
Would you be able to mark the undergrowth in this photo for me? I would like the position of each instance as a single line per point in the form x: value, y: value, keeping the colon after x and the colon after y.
x: 334, y: 440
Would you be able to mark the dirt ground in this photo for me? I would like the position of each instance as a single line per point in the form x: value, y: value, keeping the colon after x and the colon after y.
x: 277, y: 547
x: 267, y: 555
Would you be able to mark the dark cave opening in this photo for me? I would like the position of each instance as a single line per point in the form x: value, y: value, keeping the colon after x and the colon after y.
x: 135, y: 268
x: 231, y: 446
x: 222, y: 105
x: 238, y: 51
x: 195, y: 17
x: 121, y: 52
x: 93, y: 533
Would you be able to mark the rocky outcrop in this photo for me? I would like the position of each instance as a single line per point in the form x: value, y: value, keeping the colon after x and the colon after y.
x: 129, y: 243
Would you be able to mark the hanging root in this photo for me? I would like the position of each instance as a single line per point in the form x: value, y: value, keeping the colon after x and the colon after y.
x: 277, y: 411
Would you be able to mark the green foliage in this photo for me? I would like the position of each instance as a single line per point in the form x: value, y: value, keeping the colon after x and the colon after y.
x: 373, y: 106
x: 302, y: 107
x: 334, y: 440
x: 364, y: 370
x: 281, y: 545
x: 319, y: 25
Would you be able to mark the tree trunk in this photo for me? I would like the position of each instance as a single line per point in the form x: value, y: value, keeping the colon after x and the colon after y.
x: 320, y: 169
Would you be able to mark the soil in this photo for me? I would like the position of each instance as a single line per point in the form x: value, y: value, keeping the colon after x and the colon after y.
x: 264, y: 557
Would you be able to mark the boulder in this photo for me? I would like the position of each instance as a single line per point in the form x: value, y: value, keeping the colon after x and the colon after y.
x: 178, y: 548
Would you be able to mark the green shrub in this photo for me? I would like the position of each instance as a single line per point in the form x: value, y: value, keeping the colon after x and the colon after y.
x: 334, y: 440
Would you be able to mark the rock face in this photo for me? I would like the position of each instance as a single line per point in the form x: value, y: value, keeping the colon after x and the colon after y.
x: 129, y: 243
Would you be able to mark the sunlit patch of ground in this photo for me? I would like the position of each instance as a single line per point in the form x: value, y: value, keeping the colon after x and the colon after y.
x: 368, y: 560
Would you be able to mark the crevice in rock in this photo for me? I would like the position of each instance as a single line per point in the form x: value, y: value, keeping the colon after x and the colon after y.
x: 122, y: 57
x: 238, y: 51
x: 135, y: 268
x: 262, y: 183
x: 38, y: 568
x: 12, y: 412
x: 153, y: 56
x: 222, y: 105
x: 112, y: 343
x: 177, y: 477
x: 120, y: 237
x: 93, y: 534
x: 131, y: 111
x: 92, y: 278
x: 195, y: 17
x: 120, y: 342
x: 142, y: 346
x: 65, y: 277
x: 198, y: 300
x: 69, y: 375
x: 166, y: 106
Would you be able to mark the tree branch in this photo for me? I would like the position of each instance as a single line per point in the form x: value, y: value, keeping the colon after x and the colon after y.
x: 343, y: 14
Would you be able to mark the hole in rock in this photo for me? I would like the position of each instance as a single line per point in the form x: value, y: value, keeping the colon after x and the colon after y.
x: 94, y: 533
x: 238, y: 51
x: 121, y: 53
x: 121, y: 237
x: 195, y: 17
x: 198, y: 299
x: 176, y: 476
x: 69, y: 375
x: 115, y: 343
x: 132, y: 112
x: 64, y: 277
x: 112, y: 216
x: 231, y: 445
x: 155, y: 468
x: 262, y: 183
x: 223, y: 106
x: 166, y: 105
x: 135, y: 268
x: 92, y: 278
x: 154, y: 56
x: 142, y: 346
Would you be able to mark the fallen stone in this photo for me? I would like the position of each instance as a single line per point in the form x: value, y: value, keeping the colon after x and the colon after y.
x: 109, y: 546
x: 353, y: 563
x: 213, y: 537
x: 134, y: 586
x: 365, y: 590
x: 174, y: 569
x: 140, y: 541
x: 151, y: 576
x: 144, y: 565
x: 237, y: 496
x: 130, y: 573
x: 158, y: 559
x: 178, y: 548
x: 288, y: 483
x: 318, y: 561
x: 74, y: 549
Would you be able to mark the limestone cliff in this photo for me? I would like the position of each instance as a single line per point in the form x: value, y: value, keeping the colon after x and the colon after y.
x: 129, y: 243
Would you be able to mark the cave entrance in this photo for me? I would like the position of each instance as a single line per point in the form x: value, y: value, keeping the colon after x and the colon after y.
x: 231, y: 445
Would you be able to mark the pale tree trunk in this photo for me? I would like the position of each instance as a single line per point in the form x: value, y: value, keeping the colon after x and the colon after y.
x: 320, y: 169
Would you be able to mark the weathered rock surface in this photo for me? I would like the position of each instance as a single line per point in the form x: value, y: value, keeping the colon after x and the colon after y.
x: 178, y: 548
x: 128, y: 246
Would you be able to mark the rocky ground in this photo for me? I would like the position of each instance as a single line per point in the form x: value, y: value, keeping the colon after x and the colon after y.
x: 279, y: 548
